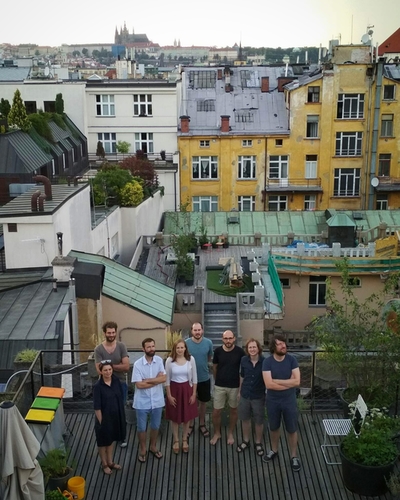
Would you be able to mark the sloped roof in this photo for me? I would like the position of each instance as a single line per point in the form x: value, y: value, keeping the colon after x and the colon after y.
x: 391, y: 44
x: 133, y: 289
x: 14, y: 74
x: 340, y: 220
x: 19, y: 153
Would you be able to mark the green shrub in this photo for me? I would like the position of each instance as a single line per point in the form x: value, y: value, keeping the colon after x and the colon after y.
x: 131, y: 194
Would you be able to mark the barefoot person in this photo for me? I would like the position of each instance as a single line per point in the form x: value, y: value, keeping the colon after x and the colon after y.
x: 252, y: 396
x: 226, y: 365
x: 180, y: 386
x: 281, y: 376
x: 110, y: 422
x: 202, y: 350
x: 148, y: 376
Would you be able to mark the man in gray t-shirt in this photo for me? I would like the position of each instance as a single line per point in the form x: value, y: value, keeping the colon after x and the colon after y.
x: 115, y: 352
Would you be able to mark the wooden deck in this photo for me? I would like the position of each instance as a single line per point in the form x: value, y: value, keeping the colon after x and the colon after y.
x: 207, y: 472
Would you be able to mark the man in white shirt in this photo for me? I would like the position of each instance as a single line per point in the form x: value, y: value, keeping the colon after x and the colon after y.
x: 148, y: 375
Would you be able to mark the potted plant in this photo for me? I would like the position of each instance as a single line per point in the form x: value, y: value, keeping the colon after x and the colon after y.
x: 368, y: 458
x: 56, y: 469
x: 54, y: 495
x: 24, y: 359
x: 189, y: 271
x: 203, y: 239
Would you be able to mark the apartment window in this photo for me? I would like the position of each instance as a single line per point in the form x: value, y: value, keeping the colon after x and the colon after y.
x: 354, y: 282
x: 312, y: 126
x: 387, y: 126
x: 109, y: 141
x: 277, y: 203
x: 278, y: 167
x: 285, y: 282
x: 30, y: 107
x: 382, y: 202
x: 49, y: 106
x: 388, y: 92
x: 246, y: 203
x: 12, y: 227
x: 204, y: 144
x: 246, y: 167
x: 144, y: 142
x: 105, y: 105
x: 310, y: 202
x: 311, y: 166
x: 278, y: 143
x: 206, y: 105
x: 313, y: 94
x: 346, y: 182
x: 348, y: 143
x: 205, y: 167
x: 317, y: 291
x: 202, y: 79
x: 205, y: 203
x: 350, y: 106
x: 247, y: 143
x: 384, y: 165
x: 142, y: 105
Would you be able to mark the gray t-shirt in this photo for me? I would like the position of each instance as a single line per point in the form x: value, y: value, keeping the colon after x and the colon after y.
x: 120, y: 351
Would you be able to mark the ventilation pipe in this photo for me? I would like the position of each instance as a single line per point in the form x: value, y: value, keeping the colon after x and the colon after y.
x: 34, y: 199
x: 47, y: 185
x: 41, y: 199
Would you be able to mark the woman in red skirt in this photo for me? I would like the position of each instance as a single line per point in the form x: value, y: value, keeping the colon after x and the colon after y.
x: 181, y: 386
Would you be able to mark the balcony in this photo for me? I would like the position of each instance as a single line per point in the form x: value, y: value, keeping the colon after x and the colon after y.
x: 387, y: 184
x: 293, y: 185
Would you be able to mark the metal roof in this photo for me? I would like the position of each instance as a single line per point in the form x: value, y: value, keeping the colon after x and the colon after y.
x: 21, y: 205
x: 133, y: 289
x: 20, y: 154
x: 250, y: 110
x: 13, y: 74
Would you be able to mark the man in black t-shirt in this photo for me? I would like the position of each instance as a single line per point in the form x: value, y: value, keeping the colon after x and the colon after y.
x: 226, y: 370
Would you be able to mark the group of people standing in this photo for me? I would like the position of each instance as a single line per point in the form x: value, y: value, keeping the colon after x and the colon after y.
x: 244, y: 380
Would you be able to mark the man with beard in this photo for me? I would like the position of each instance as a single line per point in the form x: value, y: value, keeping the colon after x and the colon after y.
x: 148, y: 376
x: 281, y: 375
x: 202, y: 350
x: 226, y: 366
x: 116, y: 353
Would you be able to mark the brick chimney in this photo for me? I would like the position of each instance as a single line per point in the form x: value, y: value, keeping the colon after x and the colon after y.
x: 225, y: 123
x: 265, y: 84
x: 282, y: 81
x: 184, y: 124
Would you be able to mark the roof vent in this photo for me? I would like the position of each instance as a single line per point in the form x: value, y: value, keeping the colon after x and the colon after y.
x: 357, y: 216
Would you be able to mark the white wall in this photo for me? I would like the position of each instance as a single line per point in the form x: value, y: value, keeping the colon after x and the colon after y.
x: 103, y: 234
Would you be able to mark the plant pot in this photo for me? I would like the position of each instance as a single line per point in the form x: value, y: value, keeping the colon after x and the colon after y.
x: 226, y: 244
x: 189, y: 281
x: 60, y: 482
x: 365, y: 479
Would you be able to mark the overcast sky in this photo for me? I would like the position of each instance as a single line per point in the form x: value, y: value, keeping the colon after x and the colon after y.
x: 221, y: 23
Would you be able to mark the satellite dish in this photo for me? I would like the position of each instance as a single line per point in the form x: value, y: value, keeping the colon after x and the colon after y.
x: 365, y: 39
x: 374, y: 182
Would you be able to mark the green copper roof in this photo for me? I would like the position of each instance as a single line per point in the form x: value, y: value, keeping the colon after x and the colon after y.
x: 133, y: 289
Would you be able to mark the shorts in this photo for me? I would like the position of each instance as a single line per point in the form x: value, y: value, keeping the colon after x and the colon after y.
x: 142, y: 417
x: 252, y: 407
x: 222, y: 394
x: 286, y: 408
x: 204, y: 391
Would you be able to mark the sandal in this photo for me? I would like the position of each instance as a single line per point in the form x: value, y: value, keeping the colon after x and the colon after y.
x: 107, y: 470
x: 175, y: 447
x: 142, y: 458
x: 114, y: 466
x: 259, y: 449
x: 191, y: 428
x: 243, y: 446
x: 204, y: 431
x: 185, y: 447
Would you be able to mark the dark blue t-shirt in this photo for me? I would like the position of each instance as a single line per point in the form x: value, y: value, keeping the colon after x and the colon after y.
x: 253, y: 383
x: 281, y: 370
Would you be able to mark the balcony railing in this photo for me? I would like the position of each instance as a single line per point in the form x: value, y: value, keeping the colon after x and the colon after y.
x: 117, y: 157
x: 292, y: 184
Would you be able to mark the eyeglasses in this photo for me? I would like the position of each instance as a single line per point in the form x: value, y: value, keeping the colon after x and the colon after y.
x: 105, y: 361
x: 228, y: 338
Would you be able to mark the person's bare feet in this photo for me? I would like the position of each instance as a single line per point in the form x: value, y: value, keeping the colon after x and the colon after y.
x: 230, y: 439
x: 215, y: 439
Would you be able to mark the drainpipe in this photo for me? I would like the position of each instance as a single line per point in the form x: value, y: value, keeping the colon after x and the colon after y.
x: 74, y: 316
x: 265, y: 175
x: 375, y: 129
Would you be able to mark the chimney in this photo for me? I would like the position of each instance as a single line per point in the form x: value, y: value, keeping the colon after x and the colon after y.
x: 41, y: 199
x: 34, y: 199
x: 184, y: 124
x: 219, y: 73
x: 265, y: 84
x: 282, y: 81
x: 47, y: 185
x: 225, y: 123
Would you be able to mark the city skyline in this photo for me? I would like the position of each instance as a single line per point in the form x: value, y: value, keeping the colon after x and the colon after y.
x: 308, y: 23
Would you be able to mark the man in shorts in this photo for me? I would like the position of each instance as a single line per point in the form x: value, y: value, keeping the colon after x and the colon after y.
x: 226, y: 366
x: 281, y: 375
x: 148, y: 375
x: 202, y: 350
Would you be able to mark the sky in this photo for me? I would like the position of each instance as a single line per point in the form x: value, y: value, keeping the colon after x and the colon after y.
x: 220, y: 23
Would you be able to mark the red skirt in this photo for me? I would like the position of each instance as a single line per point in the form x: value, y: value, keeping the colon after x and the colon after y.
x: 183, y: 411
